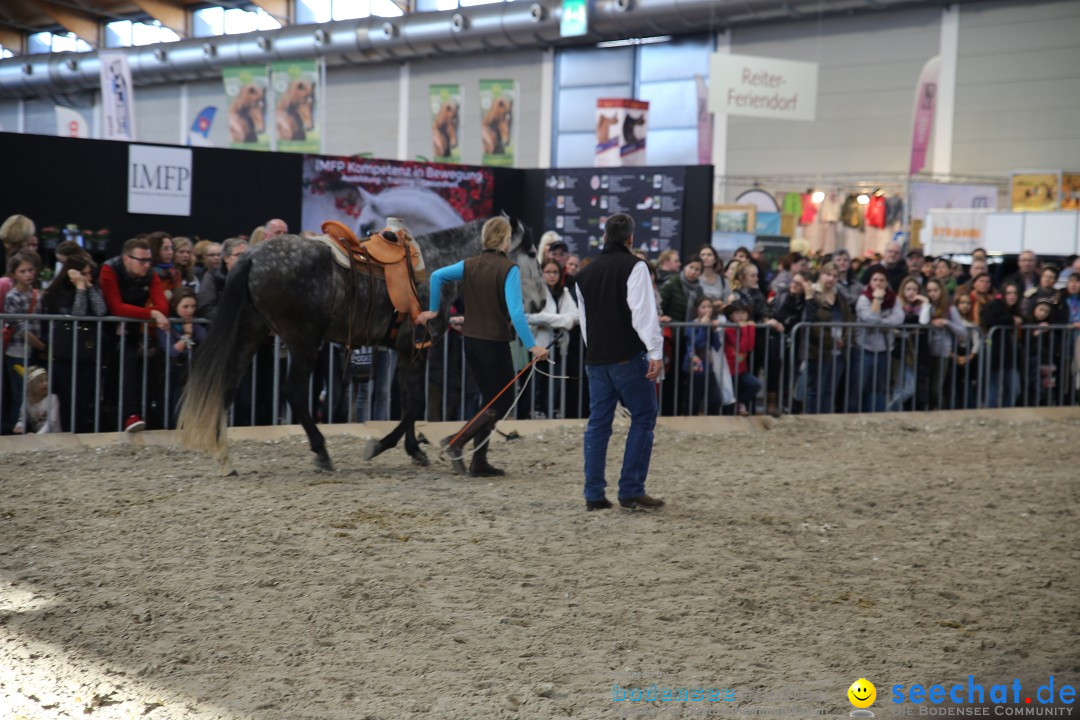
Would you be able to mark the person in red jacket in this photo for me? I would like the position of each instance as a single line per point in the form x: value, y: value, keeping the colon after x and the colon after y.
x: 739, y: 340
x: 131, y: 290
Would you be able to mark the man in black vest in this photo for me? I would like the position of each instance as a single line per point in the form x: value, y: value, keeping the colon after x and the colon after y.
x: 623, y: 351
x: 493, y: 311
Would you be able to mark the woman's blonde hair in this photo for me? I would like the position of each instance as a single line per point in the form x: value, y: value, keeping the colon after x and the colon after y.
x: 257, y: 236
x: 496, y: 232
x: 17, y: 231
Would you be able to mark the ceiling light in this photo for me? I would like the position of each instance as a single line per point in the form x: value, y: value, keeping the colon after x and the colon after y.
x: 818, y: 196
x: 864, y: 199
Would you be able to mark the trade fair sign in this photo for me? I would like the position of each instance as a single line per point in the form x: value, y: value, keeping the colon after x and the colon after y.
x: 159, y: 180
x: 926, y: 196
x: 296, y: 113
x: 954, y: 232
x: 575, y: 18
x: 446, y: 107
x: 622, y: 126
x: 117, y: 101
x: 497, y: 99
x: 246, y: 89
x: 1035, y: 191
x: 763, y: 87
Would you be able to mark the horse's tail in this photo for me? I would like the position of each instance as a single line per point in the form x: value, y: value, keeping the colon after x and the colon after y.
x: 218, y: 365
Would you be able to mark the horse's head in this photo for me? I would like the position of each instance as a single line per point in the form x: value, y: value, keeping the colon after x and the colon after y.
x: 523, y: 253
x: 250, y: 102
x: 300, y: 97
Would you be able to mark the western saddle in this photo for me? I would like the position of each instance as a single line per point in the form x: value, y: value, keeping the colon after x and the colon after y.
x: 390, y: 254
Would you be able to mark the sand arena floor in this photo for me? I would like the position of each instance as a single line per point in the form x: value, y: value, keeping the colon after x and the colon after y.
x: 134, y: 582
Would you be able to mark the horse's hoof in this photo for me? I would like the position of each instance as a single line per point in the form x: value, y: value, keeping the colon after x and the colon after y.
x: 420, y: 458
x: 421, y: 440
x: 323, y: 462
x: 227, y: 470
x: 372, y: 449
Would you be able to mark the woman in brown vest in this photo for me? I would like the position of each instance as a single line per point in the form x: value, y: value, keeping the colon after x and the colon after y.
x: 493, y: 312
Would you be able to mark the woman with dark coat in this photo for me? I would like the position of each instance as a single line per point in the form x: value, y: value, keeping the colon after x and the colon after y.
x: 1000, y: 320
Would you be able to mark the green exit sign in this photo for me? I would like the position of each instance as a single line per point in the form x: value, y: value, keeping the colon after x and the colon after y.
x: 575, y: 18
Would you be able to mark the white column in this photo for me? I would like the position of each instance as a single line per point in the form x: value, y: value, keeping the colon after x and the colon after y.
x: 946, y: 89
x: 403, y: 113
x: 547, y: 108
x: 184, y: 119
x: 720, y: 127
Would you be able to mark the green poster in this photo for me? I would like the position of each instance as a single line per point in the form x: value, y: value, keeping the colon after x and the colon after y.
x: 246, y: 90
x: 497, y: 121
x: 296, y: 118
x: 445, y: 117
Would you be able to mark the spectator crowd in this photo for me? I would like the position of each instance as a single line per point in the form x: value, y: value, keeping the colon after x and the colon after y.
x: 820, y: 334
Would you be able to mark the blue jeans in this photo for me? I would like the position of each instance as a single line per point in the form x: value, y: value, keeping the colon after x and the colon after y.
x: 747, y: 387
x: 822, y: 379
x: 869, y: 379
x: 1004, y: 388
x: 904, y: 388
x: 609, y: 384
x: 384, y: 362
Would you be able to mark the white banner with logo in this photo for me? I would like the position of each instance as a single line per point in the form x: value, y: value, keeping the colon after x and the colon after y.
x: 117, y: 99
x: 763, y: 87
x: 954, y: 232
x: 70, y: 123
x: 159, y: 180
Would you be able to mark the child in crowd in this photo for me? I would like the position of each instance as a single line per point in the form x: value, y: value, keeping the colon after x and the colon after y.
x: 21, y: 337
x: 738, y: 347
x: 963, y: 392
x: 184, y: 262
x: 1043, y: 347
x: 946, y: 326
x: 910, y: 348
x: 41, y: 414
x: 702, y: 340
x: 1000, y: 320
x: 180, y: 342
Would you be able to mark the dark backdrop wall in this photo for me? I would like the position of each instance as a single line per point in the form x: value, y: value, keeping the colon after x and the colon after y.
x: 56, y: 181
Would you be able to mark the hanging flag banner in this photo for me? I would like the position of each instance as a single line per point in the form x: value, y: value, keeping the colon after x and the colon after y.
x: 621, y: 127
x: 246, y: 90
x: 117, y: 102
x: 704, y: 123
x: 763, y: 87
x: 497, y: 113
x: 199, y: 134
x: 925, y: 103
x: 445, y: 103
x: 159, y: 180
x: 70, y: 123
x: 295, y: 86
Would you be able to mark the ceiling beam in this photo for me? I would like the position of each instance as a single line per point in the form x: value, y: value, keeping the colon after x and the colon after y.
x: 13, y: 39
x: 85, y: 25
x: 169, y: 13
x: 278, y: 9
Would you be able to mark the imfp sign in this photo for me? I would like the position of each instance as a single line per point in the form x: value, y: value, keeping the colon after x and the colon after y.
x: 159, y: 180
x: 763, y: 87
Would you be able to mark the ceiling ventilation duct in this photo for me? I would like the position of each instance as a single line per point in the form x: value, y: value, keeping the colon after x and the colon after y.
x: 494, y: 27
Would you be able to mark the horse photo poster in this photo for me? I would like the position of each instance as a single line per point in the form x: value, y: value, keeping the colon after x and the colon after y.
x: 497, y: 99
x: 246, y: 90
x: 361, y: 193
x: 295, y: 86
x: 621, y: 128
x: 445, y: 122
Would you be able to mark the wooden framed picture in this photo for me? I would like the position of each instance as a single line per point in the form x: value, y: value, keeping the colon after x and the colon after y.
x: 734, y: 218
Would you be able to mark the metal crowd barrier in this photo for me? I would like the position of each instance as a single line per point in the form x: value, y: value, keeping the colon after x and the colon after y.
x: 804, y: 370
x: 1034, y: 366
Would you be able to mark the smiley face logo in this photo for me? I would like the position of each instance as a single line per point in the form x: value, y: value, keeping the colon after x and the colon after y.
x: 862, y: 693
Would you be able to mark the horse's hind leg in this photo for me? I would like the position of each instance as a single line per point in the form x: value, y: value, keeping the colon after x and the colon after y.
x: 303, y: 360
x: 410, y: 384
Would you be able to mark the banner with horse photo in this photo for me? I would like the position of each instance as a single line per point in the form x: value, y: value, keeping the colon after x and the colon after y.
x: 246, y: 90
x: 445, y: 118
x: 296, y: 117
x: 361, y: 193
x: 497, y: 120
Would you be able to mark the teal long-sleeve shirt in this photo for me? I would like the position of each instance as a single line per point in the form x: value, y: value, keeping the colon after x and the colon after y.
x: 511, y: 288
